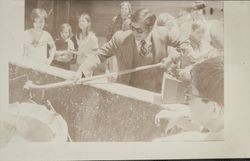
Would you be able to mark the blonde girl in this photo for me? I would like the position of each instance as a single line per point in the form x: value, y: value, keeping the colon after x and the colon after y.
x: 85, y: 40
x: 36, y: 39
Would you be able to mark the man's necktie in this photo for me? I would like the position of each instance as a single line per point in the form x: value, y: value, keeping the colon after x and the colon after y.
x: 143, y: 50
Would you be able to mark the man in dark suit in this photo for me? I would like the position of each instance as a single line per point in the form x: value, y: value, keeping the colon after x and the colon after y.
x: 143, y: 45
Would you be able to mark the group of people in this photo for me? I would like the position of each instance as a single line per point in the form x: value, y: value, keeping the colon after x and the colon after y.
x: 68, y: 51
x: 188, y: 46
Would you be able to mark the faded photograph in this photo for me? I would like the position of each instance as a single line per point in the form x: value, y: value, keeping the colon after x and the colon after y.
x: 117, y: 71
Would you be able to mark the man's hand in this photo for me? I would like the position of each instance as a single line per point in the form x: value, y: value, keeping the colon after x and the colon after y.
x: 173, y: 58
x: 181, y: 124
x: 184, y: 74
x: 174, y: 126
x: 162, y: 115
x: 77, y: 76
x: 166, y: 63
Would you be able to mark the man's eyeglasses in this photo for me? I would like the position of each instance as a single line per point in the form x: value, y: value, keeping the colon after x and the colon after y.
x: 138, y: 30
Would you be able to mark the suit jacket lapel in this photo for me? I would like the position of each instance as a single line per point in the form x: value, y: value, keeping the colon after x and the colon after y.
x: 159, y: 46
x: 127, y: 52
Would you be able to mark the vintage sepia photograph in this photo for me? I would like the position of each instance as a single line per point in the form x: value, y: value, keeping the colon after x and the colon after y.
x: 117, y: 71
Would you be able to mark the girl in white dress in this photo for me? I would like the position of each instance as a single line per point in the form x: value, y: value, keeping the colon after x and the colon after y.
x: 85, y: 41
x: 36, y: 39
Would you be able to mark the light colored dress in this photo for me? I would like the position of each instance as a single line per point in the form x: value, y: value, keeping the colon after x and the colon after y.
x: 36, y: 49
x: 86, y: 47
